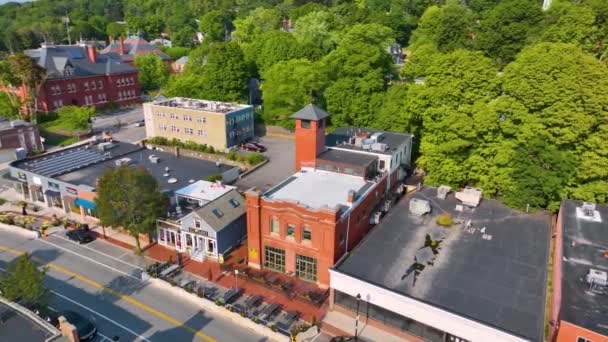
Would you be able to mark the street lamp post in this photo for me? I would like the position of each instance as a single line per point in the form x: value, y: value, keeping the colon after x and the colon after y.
x: 236, y: 278
x: 357, y: 317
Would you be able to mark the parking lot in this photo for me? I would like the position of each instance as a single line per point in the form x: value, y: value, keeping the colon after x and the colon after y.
x: 281, y: 160
x: 121, y: 124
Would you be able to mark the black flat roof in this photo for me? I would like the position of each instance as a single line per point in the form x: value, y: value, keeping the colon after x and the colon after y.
x: 347, y: 158
x: 18, y: 327
x: 580, y: 306
x: 342, y: 134
x: 183, y: 168
x: 496, y: 276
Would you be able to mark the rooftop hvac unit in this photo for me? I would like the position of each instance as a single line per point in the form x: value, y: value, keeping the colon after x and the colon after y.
x: 419, y: 207
x: 123, y: 161
x: 443, y: 191
x: 379, y: 147
x: 153, y: 159
x: 469, y: 196
x: 105, y: 146
x: 596, y: 277
x: 375, y: 217
x: 588, y: 209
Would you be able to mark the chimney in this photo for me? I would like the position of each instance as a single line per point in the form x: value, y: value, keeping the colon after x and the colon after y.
x: 92, y: 53
x: 350, y: 197
x: 68, y: 330
x: 121, y: 42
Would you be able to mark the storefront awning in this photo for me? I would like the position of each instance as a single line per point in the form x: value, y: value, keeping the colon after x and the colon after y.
x: 85, y: 203
x: 52, y: 193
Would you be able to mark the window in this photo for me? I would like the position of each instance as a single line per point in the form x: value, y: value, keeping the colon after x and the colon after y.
x: 274, y: 259
x: 86, y: 86
x: 201, y: 119
x: 234, y: 202
x: 274, y: 227
x: 188, y: 131
x: 582, y: 339
x: 93, y: 85
x: 197, y: 223
x: 202, y: 133
x: 68, y: 71
x: 341, y: 238
x: 217, y: 212
x: 291, y: 231
x: 306, y: 267
x: 187, y: 117
x: 174, y: 129
x: 174, y: 116
x: 306, y: 234
x: 382, y: 165
x: 99, y: 84
x: 305, y: 123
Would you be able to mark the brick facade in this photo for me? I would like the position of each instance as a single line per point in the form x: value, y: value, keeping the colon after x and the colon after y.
x: 26, y: 136
x: 310, y: 142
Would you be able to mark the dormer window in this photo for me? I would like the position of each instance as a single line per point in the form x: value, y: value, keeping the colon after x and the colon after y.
x: 68, y: 71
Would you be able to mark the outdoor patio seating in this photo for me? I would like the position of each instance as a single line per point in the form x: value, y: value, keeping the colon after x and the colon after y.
x: 287, y: 320
x: 269, y: 311
x: 231, y: 295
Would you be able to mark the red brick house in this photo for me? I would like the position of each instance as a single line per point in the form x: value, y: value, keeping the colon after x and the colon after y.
x: 78, y: 75
x: 343, y: 182
x: 127, y: 49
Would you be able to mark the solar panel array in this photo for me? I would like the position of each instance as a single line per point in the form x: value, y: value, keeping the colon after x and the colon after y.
x: 66, y: 161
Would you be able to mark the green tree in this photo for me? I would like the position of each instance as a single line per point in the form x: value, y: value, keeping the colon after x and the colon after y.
x: 115, y: 30
x: 130, y: 198
x: 8, y: 109
x: 214, y: 24
x: 153, y: 72
x: 271, y: 47
x: 289, y: 86
x: 226, y: 72
x: 75, y: 118
x: 30, y: 75
x: 24, y: 282
x: 447, y: 27
x: 257, y: 22
x: 508, y: 27
x: 572, y: 23
x: 314, y: 30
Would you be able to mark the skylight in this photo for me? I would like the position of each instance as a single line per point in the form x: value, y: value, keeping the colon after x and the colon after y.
x: 234, y: 202
x: 218, y: 212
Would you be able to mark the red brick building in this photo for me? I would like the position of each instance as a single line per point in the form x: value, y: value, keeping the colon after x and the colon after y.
x: 580, y: 278
x: 343, y: 183
x: 78, y: 75
x: 20, y: 134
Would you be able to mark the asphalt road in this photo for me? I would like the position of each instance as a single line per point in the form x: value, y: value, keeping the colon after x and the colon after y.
x: 120, y: 124
x: 105, y: 287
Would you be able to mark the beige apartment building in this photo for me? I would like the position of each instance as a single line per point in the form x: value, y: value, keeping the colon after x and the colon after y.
x: 218, y: 124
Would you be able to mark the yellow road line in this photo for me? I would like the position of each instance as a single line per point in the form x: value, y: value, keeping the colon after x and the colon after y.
x: 117, y: 294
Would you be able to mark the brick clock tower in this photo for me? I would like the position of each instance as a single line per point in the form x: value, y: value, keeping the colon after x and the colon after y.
x: 310, y: 135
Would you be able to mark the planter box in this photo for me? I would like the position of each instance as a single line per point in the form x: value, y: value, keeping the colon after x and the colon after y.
x: 30, y: 234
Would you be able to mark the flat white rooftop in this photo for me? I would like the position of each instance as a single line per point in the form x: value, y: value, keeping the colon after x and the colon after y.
x: 201, y: 105
x: 317, y: 188
x: 204, y: 190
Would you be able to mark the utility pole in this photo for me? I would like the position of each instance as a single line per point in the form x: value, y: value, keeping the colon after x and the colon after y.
x: 66, y: 21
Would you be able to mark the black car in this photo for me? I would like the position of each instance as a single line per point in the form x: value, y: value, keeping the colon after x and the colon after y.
x: 85, y: 328
x: 80, y: 235
x: 253, y: 146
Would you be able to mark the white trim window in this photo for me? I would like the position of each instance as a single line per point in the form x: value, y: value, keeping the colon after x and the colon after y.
x: 201, y: 120
x: 188, y: 131
x: 202, y: 133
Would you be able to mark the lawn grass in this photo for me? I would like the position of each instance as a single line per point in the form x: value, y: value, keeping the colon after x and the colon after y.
x: 54, y: 139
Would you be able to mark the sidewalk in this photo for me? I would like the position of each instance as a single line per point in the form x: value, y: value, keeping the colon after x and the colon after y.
x: 227, y: 280
x: 339, y: 324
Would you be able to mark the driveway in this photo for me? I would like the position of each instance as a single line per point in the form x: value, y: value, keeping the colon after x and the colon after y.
x: 281, y: 156
x: 120, y: 124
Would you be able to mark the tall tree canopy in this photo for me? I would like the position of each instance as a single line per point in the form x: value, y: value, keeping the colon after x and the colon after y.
x: 24, y: 282
x: 153, y: 72
x: 130, y: 198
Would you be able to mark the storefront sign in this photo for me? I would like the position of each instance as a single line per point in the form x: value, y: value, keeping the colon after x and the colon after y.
x: 71, y: 191
x: 21, y: 175
x: 37, y: 180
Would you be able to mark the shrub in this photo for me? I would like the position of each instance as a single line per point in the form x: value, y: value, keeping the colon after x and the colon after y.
x: 254, y: 158
x: 445, y: 220
x: 256, y: 320
x: 210, y: 149
x: 2, y: 201
x: 200, y: 293
x: 243, y: 314
x: 219, y: 302
x: 214, y: 178
x: 232, y: 155
x: 274, y: 328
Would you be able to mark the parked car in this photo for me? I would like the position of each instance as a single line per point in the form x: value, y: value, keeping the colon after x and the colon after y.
x: 85, y: 328
x: 253, y: 146
x: 139, y: 123
x: 80, y: 235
